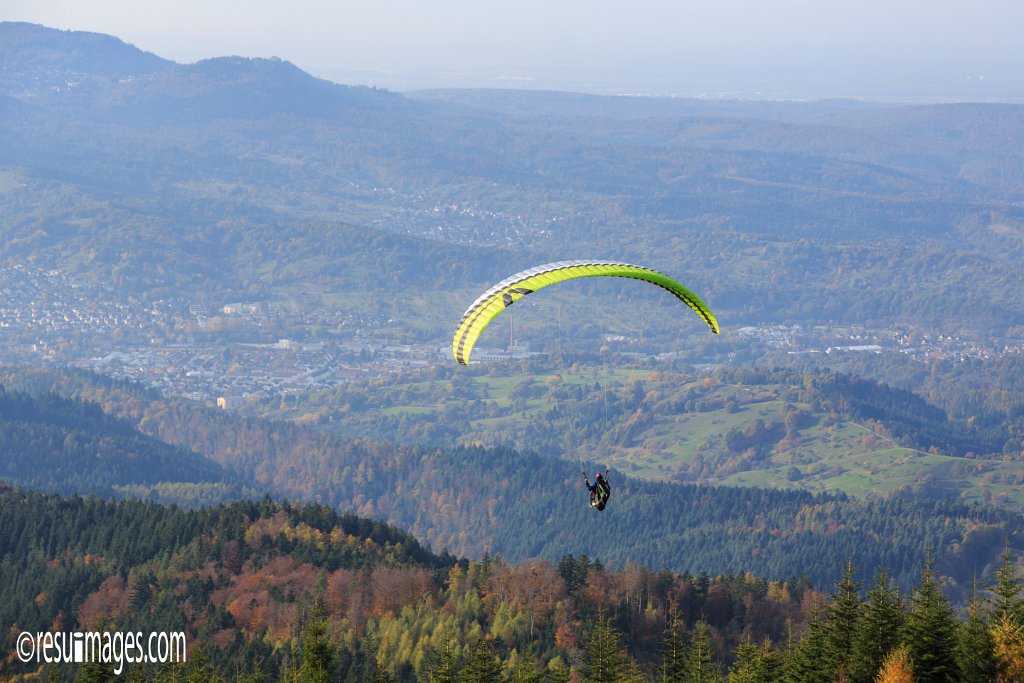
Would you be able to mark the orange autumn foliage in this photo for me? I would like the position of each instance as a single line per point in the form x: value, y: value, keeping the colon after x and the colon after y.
x: 1009, y: 649
x: 108, y: 603
x: 897, y: 668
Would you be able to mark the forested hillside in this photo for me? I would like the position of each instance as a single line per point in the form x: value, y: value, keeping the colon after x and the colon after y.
x: 280, y: 592
x: 58, y: 444
x: 526, y: 505
x: 814, y: 430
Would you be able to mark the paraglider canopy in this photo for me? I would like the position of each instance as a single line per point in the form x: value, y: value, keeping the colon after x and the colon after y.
x: 502, y: 295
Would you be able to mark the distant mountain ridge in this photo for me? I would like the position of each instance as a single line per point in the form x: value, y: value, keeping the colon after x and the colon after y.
x: 35, y: 59
x: 239, y: 87
x: 248, y: 179
x: 37, y: 62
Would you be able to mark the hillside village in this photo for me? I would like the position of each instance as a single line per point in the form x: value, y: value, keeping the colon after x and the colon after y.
x: 241, y: 350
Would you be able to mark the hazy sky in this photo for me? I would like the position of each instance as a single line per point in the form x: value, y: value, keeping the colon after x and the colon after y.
x: 940, y: 49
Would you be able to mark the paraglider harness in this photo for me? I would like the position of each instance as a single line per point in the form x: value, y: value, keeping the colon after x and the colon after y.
x: 600, y: 491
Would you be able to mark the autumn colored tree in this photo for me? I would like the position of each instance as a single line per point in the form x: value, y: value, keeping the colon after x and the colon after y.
x: 1008, y: 637
x: 897, y: 667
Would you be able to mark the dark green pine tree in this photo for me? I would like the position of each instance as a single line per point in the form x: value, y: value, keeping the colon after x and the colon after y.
x: 141, y: 593
x: 482, y: 664
x: 365, y: 666
x: 744, y: 668
x: 55, y: 673
x: 1008, y: 593
x: 174, y: 673
x: 631, y: 672
x: 675, y: 651
x: 95, y: 672
x: 557, y: 674
x: 254, y: 673
x: 446, y: 664
x: 807, y: 662
x: 523, y: 669
x: 98, y: 672
x: 378, y: 675
x: 288, y: 673
x: 755, y: 664
x: 841, y: 617
x: 930, y: 632
x: 604, y: 657
x: 362, y: 665
x: 319, y: 660
x: 701, y: 662
x: 198, y: 668
x: 878, y: 631
x: 976, y: 647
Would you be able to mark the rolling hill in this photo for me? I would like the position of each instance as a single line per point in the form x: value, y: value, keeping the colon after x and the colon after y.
x: 472, y: 500
x: 810, y: 431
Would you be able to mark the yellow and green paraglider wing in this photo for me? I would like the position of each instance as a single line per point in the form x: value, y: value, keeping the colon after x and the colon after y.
x: 502, y: 295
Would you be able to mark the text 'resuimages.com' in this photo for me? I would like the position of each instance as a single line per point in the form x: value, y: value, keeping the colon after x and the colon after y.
x: 103, y: 647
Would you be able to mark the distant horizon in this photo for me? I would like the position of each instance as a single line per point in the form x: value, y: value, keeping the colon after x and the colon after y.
x: 964, y: 56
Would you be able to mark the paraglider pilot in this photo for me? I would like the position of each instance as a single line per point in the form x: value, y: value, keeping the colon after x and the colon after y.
x: 599, y: 490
